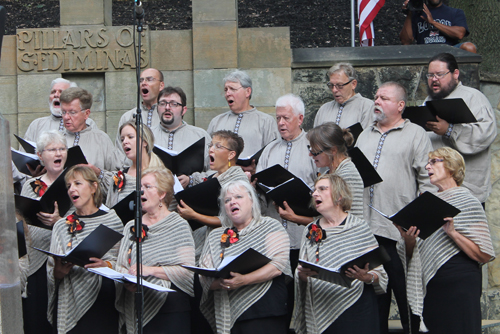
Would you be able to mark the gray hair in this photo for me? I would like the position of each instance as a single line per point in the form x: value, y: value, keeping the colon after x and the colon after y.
x: 401, y: 93
x: 292, y: 100
x: 239, y: 76
x: 62, y: 80
x: 50, y: 137
x: 343, y: 67
x: 224, y: 218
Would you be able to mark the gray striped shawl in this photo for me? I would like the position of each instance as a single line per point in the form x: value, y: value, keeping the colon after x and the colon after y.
x: 232, y: 174
x: 430, y: 254
x: 349, y: 173
x: 114, y: 196
x: 319, y: 303
x: 222, y: 308
x: 79, y: 289
x: 168, y: 245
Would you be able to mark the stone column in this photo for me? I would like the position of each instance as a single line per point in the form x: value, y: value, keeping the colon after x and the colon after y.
x: 11, y: 316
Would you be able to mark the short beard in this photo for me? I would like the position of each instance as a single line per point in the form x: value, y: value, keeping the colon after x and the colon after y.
x: 379, y: 117
x: 445, y: 91
x: 54, y: 112
x: 164, y: 122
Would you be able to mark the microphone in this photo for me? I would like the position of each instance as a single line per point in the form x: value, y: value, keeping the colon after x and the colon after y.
x: 139, y: 11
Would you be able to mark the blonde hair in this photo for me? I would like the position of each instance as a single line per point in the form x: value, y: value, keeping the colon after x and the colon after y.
x: 339, y: 190
x: 88, y: 175
x: 148, y: 137
x: 164, y: 182
x: 453, y: 162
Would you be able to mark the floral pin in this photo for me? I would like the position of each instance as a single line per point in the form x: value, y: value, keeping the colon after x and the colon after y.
x: 133, y: 238
x: 316, y: 235
x: 75, y: 226
x: 119, y: 181
x: 39, y: 187
x: 230, y: 236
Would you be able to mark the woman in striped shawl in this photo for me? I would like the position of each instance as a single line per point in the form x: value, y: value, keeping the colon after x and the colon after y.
x: 80, y: 301
x: 255, y: 302
x: 52, y: 151
x: 166, y: 245
x: 336, y: 238
x: 116, y: 186
x: 444, y: 270
x: 328, y: 148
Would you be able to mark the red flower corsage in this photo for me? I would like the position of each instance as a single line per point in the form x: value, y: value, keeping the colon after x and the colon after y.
x: 316, y: 235
x: 75, y: 226
x: 230, y: 236
x: 39, y: 187
x: 144, y: 235
x: 119, y: 181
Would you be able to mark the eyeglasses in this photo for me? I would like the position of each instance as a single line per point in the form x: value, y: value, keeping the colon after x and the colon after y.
x: 54, y: 150
x: 148, y: 79
x: 231, y: 89
x: 319, y: 189
x: 218, y: 146
x: 173, y: 104
x: 71, y: 113
x: 436, y: 75
x: 432, y: 162
x: 338, y: 86
x: 148, y: 186
x: 314, y: 154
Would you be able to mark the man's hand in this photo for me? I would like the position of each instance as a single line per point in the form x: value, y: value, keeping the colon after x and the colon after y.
x: 440, y: 127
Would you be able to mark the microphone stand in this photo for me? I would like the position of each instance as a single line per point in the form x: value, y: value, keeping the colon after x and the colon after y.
x: 139, y: 294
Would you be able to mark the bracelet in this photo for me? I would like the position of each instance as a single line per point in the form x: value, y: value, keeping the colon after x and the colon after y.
x: 111, y: 266
x: 373, y: 278
x: 448, y: 131
x: 101, y: 175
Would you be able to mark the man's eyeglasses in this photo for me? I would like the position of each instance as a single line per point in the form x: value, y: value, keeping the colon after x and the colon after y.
x: 71, y: 113
x: 148, y: 79
x: 314, y: 154
x: 436, y: 75
x: 231, y: 89
x: 338, y: 86
x: 173, y: 104
x: 432, y: 162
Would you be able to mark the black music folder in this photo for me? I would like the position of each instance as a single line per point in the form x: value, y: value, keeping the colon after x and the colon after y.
x: 245, y: 162
x: 202, y: 198
x: 191, y: 160
x: 20, y: 159
x: 454, y: 111
x: 125, y: 209
x: 28, y: 146
x: 75, y: 157
x: 21, y: 240
x: 29, y: 207
x: 247, y: 262
x: 364, y: 167
x: 273, y: 176
x: 296, y: 193
x: 374, y: 258
x: 96, y: 244
x: 426, y: 212
x: 355, y: 130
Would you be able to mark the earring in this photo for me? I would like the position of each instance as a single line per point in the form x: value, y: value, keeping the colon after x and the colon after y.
x: 160, y: 205
x: 229, y: 163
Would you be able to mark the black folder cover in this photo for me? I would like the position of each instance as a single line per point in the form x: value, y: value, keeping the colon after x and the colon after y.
x: 297, y: 194
x: 21, y: 241
x: 96, y: 244
x: 248, y: 261
x: 27, y: 146
x: 245, y: 162
x: 29, y: 207
x: 454, y: 111
x: 20, y: 159
x: 364, y: 167
x: 125, y: 209
x: 202, y: 198
x: 273, y: 176
x: 356, y: 130
x: 75, y: 157
x: 426, y: 212
x: 375, y: 258
x: 191, y: 160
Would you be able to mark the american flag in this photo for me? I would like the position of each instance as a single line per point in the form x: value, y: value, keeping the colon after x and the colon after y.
x: 367, y: 10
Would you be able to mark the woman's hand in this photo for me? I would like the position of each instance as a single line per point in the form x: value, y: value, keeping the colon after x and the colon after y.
x: 132, y: 287
x: 184, y: 180
x: 361, y: 274
x: 410, y: 238
x: 304, y: 273
x: 449, y: 227
x: 49, y: 219
x: 96, y: 263
x: 61, y: 268
x: 185, y: 211
x: 236, y: 281
x: 289, y: 214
